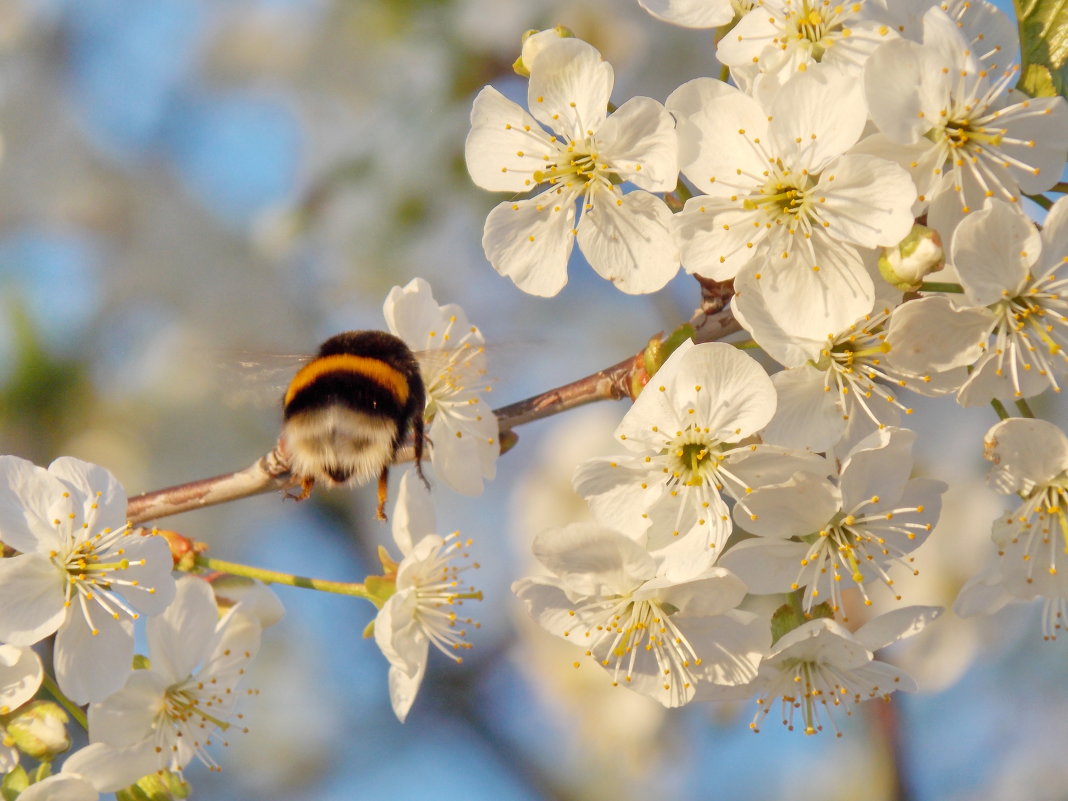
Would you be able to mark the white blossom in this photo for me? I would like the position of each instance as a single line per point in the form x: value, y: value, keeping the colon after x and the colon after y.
x: 423, y: 609
x: 1031, y: 460
x: 81, y: 573
x: 625, y: 237
x: 92, y: 770
x: 961, y: 132
x: 462, y: 429
x: 820, y: 670
x: 675, y: 641
x: 176, y: 708
x: 1014, y: 292
x: 683, y: 436
x: 813, y: 533
x: 780, y: 38
x: 782, y: 201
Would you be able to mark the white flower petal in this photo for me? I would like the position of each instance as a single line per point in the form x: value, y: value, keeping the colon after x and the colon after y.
x: 799, y: 507
x: 765, y: 565
x: 807, y: 415
x: 181, y: 638
x: 594, y: 559
x: 21, y: 674
x: 691, y: 13
x: 98, y: 486
x: 640, y: 143
x: 992, y: 250
x: 109, y: 769
x: 868, y: 201
x: 505, y: 145
x: 1025, y: 453
x: 810, y: 302
x: 529, y: 241
x: 91, y: 666
x: 895, y: 625
x: 932, y: 334
x: 30, y: 500
x: 32, y: 597
x: 127, y: 717
x: 569, y: 88
x: 413, y: 513
x: 61, y: 787
x: 628, y: 240
x: 718, y: 158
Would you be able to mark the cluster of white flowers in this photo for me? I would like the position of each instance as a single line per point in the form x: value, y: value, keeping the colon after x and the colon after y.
x: 857, y: 149
x: 80, y: 572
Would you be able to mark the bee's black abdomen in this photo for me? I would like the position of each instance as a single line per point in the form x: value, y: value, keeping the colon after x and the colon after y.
x: 349, y: 389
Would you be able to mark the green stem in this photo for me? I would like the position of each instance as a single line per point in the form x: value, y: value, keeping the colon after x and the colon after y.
x: 274, y: 577
x: 748, y: 344
x: 1025, y: 409
x: 1061, y: 187
x: 75, y: 711
x: 999, y: 407
x: 941, y: 286
x: 1041, y: 200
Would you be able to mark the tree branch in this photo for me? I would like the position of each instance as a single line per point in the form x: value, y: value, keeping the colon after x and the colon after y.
x: 713, y: 320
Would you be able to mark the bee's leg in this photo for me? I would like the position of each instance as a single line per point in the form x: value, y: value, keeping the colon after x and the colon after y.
x: 306, y: 485
x: 383, y: 486
x: 419, y: 439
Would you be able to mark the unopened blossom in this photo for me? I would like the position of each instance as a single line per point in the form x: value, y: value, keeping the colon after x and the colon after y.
x: 959, y: 129
x: 21, y: 674
x: 823, y: 536
x: 177, y: 708
x: 818, y: 672
x: 782, y: 201
x: 581, y: 160
x: 675, y: 641
x: 423, y: 609
x: 1014, y: 305
x: 780, y: 38
x: 1030, y: 459
x: 461, y: 427
x: 683, y: 440
x: 81, y: 571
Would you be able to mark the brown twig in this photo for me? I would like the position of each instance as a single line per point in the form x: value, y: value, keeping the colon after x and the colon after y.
x: 712, y: 320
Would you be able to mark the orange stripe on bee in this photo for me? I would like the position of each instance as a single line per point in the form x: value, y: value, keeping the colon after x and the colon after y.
x: 374, y: 369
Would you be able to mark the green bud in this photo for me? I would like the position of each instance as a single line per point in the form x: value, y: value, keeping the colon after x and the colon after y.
x: 39, y: 729
x: 533, y: 42
x: 162, y: 786
x: 789, y: 616
x: 905, y: 265
x: 14, y: 783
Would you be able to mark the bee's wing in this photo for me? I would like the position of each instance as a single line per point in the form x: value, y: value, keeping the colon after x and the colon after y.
x: 259, y: 379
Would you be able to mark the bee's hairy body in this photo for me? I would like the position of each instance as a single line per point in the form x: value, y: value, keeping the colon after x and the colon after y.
x: 347, y: 411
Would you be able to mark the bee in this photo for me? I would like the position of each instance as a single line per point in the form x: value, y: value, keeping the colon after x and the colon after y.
x: 348, y: 410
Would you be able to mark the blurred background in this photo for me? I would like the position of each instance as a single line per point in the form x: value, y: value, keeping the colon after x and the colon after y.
x: 188, y: 184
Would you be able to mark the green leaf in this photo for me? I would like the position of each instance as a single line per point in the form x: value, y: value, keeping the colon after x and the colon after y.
x: 1043, y: 28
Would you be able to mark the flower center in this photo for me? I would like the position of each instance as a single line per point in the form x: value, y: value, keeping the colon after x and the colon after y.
x: 817, y: 25
x: 694, y: 457
x: 782, y: 199
x: 633, y: 629
x: 93, y: 564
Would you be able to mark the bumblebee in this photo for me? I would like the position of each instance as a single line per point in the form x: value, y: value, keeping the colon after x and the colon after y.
x: 348, y: 410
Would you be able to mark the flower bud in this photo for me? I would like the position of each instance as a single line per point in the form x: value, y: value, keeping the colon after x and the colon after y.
x: 39, y: 729
x: 905, y: 265
x: 162, y: 786
x: 533, y: 43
